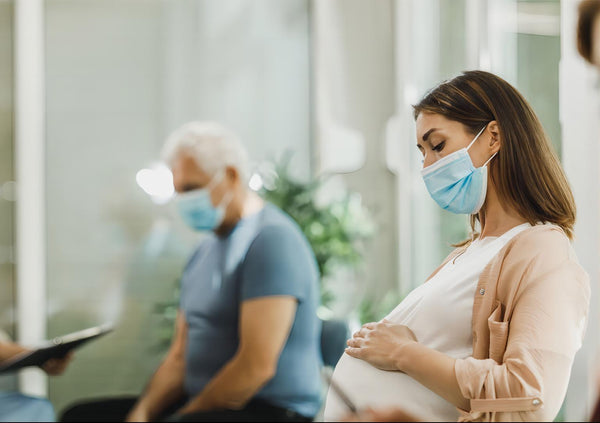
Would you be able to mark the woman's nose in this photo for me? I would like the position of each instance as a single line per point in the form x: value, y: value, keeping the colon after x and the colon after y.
x: 428, y: 160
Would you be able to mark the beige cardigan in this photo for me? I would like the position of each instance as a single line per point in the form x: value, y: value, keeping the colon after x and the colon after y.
x: 529, y: 318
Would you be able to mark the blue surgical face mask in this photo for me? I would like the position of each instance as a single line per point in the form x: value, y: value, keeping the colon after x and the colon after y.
x: 197, y: 210
x: 455, y: 183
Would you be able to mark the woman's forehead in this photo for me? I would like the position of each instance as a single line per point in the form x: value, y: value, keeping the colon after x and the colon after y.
x: 428, y: 123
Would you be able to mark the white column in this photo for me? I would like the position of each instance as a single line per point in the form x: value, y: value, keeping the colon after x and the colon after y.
x: 340, y: 147
x: 579, y: 111
x: 29, y: 162
x: 417, y: 70
x: 398, y: 149
x: 500, y: 54
x: 478, y: 55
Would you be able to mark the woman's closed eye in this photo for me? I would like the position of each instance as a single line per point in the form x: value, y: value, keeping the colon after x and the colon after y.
x: 439, y: 147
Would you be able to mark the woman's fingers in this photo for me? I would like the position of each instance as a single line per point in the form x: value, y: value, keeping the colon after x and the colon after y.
x: 370, y: 325
x: 354, y: 342
x: 361, y: 333
x: 355, y: 352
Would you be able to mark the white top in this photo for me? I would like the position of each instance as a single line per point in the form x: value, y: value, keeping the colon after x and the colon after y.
x: 439, y: 313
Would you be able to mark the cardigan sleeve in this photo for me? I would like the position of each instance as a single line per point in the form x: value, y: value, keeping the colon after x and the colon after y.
x: 542, y: 335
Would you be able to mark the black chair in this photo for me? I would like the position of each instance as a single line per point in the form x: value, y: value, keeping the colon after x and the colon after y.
x: 334, y: 334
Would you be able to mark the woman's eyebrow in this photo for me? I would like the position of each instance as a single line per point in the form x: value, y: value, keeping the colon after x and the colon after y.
x: 428, y: 133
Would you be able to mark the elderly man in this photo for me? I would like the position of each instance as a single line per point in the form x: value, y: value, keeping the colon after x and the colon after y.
x: 247, y: 336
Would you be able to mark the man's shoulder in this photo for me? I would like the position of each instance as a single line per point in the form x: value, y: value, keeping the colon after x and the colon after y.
x: 277, y: 223
x: 279, y: 234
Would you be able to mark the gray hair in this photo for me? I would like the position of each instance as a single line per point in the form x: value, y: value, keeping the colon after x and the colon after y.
x: 212, y: 146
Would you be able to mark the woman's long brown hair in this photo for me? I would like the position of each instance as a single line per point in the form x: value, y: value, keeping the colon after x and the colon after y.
x: 526, y: 172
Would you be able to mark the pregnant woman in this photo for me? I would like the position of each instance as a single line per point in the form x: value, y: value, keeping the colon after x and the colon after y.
x: 493, y: 332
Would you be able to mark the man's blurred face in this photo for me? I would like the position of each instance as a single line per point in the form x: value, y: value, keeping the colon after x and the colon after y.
x: 187, y: 175
x: 225, y: 186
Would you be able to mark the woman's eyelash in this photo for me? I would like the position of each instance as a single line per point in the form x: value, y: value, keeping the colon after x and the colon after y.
x: 439, y: 146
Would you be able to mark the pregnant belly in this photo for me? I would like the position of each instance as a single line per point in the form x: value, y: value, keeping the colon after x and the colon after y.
x: 367, y: 386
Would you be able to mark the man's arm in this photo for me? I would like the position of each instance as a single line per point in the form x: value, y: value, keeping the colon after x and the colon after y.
x: 265, y: 324
x: 166, y: 386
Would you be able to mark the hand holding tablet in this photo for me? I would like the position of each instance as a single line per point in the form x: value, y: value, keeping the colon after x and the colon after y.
x: 55, y: 349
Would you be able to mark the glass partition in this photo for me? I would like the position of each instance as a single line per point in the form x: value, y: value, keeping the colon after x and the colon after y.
x: 120, y: 76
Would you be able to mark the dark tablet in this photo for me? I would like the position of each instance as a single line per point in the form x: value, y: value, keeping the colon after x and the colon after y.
x: 56, y: 348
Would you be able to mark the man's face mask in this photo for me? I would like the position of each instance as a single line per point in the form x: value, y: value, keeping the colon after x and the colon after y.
x: 197, y: 210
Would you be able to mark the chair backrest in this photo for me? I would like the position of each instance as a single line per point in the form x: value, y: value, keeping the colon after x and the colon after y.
x: 334, y: 334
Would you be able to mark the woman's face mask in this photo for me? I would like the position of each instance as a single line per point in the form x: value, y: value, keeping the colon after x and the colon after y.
x: 455, y: 183
x: 197, y: 210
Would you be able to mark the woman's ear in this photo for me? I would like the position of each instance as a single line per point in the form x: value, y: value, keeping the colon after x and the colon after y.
x: 495, y: 139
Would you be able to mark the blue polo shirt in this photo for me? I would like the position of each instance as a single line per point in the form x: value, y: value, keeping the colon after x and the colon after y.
x: 266, y: 254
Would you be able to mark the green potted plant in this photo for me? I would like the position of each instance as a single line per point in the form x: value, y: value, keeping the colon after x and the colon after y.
x: 338, y: 230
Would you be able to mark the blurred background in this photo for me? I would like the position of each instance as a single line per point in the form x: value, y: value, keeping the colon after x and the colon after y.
x: 320, y: 93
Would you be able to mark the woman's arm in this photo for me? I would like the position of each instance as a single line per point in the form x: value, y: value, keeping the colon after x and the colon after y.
x: 394, y: 347
x: 433, y: 370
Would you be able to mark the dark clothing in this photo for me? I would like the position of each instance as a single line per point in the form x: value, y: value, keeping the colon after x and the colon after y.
x: 255, y: 411
x: 101, y: 410
x: 116, y: 410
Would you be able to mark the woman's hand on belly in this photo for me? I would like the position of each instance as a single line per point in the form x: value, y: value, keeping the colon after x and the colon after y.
x: 390, y: 346
x: 380, y: 344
